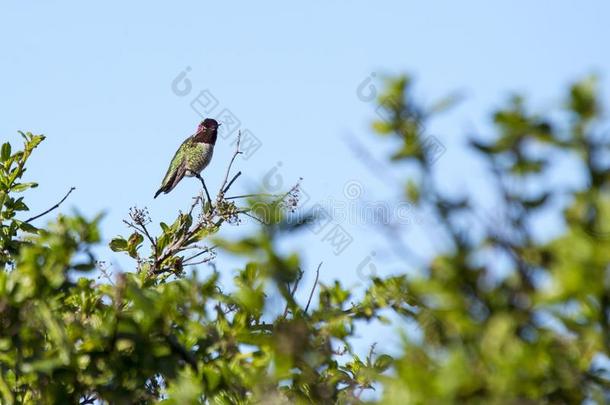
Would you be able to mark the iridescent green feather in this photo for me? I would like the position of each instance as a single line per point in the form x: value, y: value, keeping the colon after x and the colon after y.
x: 177, y: 161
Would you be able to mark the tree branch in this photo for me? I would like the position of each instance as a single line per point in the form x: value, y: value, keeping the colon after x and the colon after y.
x: 181, y: 351
x: 237, y: 152
x: 235, y: 197
x: 231, y: 182
x: 196, y: 255
x: 53, y: 207
x: 315, y: 283
x: 294, y: 290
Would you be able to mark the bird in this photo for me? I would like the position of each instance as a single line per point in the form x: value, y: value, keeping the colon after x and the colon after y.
x: 193, y: 155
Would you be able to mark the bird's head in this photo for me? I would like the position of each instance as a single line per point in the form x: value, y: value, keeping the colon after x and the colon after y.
x: 208, y: 125
x: 207, y: 131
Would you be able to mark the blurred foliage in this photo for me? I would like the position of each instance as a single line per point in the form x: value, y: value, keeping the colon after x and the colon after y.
x: 537, y: 332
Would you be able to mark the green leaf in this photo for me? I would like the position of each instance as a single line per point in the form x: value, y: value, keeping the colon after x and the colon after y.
x: 133, y: 244
x: 118, y: 244
x: 5, y: 153
x: 583, y: 98
x: 383, y: 362
x: 24, y: 186
x: 25, y: 227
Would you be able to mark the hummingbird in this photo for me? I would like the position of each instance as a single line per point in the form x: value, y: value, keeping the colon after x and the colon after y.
x: 192, y: 156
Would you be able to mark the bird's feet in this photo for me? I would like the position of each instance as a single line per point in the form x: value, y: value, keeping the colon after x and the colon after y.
x: 206, y: 190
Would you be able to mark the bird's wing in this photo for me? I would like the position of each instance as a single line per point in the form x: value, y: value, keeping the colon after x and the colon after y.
x: 177, y: 167
x: 176, y: 177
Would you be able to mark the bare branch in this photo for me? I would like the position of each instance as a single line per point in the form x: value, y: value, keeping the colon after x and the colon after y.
x: 235, y: 197
x: 313, y: 288
x: 206, y: 260
x: 191, y: 247
x: 294, y: 290
x: 296, y: 283
x: 53, y: 207
x: 101, y: 265
x: 237, y: 152
x: 369, y: 358
x: 246, y: 213
x: 231, y: 182
x: 150, y: 238
x: 203, y: 251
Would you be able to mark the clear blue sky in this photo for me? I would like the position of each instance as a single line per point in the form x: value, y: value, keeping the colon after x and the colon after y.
x: 96, y: 79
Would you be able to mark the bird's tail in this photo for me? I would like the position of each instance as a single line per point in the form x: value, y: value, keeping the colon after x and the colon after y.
x: 159, y: 191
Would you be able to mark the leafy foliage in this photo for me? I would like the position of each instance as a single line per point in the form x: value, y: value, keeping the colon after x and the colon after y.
x: 537, y: 331
x: 12, y: 169
x: 159, y: 335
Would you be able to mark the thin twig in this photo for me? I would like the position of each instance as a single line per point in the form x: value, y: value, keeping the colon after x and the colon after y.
x: 260, y: 221
x: 197, y: 199
x: 235, y: 197
x: 315, y: 283
x: 371, y: 352
x: 294, y: 290
x: 292, y: 190
x: 150, y: 238
x: 296, y: 283
x: 231, y: 182
x: 104, y: 270
x: 206, y: 260
x: 143, y: 231
x: 237, y: 152
x: 183, y: 248
x: 196, y: 255
x: 53, y: 207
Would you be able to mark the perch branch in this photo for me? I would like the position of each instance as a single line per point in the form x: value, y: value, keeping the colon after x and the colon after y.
x: 205, y: 189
